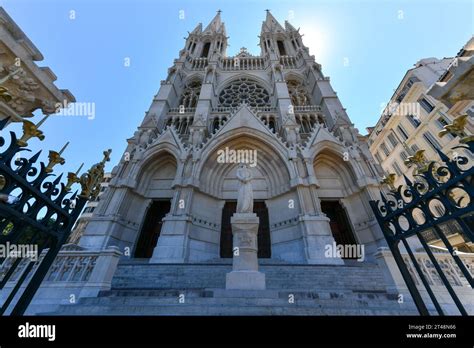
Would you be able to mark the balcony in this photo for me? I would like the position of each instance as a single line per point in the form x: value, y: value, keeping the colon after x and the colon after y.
x: 182, y: 111
x: 242, y: 63
x: 289, y: 62
x: 197, y: 63
x: 306, y: 109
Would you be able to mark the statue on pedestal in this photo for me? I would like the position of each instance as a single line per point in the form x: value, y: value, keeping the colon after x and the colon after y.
x: 245, y: 274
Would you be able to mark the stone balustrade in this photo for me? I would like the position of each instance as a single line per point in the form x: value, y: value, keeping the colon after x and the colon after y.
x: 307, y: 108
x: 197, y: 63
x: 181, y: 111
x: 242, y: 63
x: 451, y: 270
x: 76, y: 272
x: 289, y: 62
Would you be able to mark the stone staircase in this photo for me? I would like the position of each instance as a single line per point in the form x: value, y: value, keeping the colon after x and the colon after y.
x: 139, y: 288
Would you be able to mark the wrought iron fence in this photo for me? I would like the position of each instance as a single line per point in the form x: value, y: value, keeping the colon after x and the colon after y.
x: 440, y: 195
x: 37, y: 212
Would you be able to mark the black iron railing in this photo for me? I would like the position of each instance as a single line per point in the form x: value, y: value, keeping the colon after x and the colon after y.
x: 37, y: 213
x: 442, y: 194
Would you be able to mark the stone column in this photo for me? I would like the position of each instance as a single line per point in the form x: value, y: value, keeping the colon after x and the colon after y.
x: 245, y: 274
x: 317, y: 236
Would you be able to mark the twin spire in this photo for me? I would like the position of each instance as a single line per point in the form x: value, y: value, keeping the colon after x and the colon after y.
x: 269, y: 25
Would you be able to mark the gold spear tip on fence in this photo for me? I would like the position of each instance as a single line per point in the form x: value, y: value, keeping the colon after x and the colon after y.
x: 418, y: 159
x: 55, y: 158
x: 389, y: 180
x: 91, y: 180
x: 73, y: 178
x: 456, y: 128
x: 31, y: 130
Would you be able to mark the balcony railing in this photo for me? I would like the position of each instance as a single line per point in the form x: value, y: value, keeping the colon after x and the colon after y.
x: 242, y: 63
x: 198, y: 63
x: 181, y: 111
x: 289, y: 62
x: 306, y: 108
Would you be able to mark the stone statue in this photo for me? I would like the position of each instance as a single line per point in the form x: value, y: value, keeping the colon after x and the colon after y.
x: 245, y: 195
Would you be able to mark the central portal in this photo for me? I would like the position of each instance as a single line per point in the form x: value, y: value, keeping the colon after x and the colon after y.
x: 263, y: 238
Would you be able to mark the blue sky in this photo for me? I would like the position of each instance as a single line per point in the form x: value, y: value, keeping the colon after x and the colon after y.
x: 378, y: 41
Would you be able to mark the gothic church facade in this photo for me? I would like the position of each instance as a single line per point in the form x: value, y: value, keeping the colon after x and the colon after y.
x: 171, y: 198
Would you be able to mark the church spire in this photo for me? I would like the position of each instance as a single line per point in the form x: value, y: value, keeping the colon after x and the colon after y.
x: 289, y: 27
x: 208, y: 42
x: 198, y: 29
x: 216, y: 25
x: 277, y: 41
x: 271, y: 24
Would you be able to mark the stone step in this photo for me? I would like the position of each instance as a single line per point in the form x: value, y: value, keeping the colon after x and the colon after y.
x: 200, y: 310
x: 154, y: 289
x: 203, y: 301
x: 172, y: 276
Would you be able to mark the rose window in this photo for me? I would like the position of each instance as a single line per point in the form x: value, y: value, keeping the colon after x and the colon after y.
x: 246, y: 91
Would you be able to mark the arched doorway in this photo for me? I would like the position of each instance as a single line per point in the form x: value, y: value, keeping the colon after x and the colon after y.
x: 156, y: 184
x: 336, y: 182
x: 270, y: 179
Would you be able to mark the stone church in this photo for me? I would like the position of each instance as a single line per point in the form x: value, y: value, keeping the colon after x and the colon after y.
x: 171, y: 199
x: 161, y: 240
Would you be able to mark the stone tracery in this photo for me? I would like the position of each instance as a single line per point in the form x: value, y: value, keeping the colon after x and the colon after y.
x: 244, y: 90
x: 298, y: 94
x: 190, y: 94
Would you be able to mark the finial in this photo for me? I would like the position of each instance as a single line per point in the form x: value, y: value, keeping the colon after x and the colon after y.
x: 457, y: 128
x: 106, y: 156
x: 31, y: 130
x: 219, y: 12
x: 91, y: 180
x: 419, y: 160
x: 55, y: 158
x: 73, y: 178
x: 389, y: 180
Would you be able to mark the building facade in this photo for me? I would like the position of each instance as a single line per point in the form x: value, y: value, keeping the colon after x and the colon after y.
x: 412, y: 121
x: 161, y: 234
x: 171, y: 197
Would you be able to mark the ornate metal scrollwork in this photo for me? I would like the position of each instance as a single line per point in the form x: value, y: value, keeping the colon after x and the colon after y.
x: 440, y: 196
x: 37, y: 207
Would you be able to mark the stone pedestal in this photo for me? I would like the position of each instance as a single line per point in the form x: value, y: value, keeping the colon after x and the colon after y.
x: 245, y: 274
